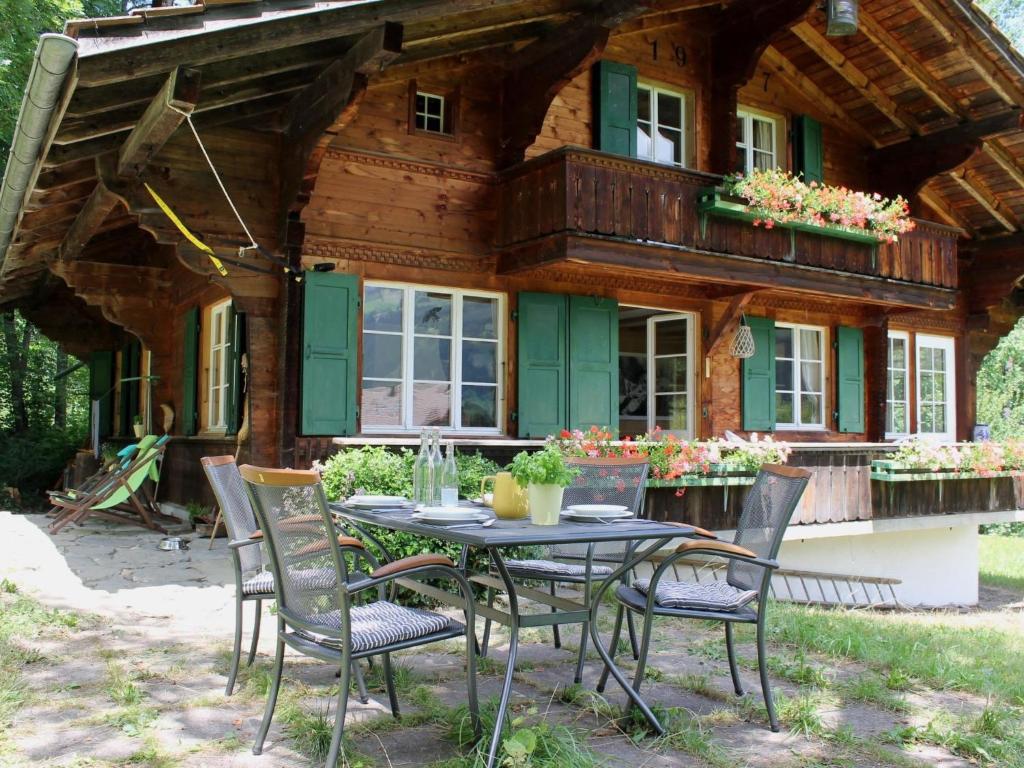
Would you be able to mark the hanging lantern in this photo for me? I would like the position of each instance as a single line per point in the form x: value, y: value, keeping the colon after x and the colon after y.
x: 842, y: 18
x: 742, y: 345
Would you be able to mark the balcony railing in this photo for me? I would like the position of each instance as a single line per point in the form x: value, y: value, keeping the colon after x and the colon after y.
x: 580, y: 191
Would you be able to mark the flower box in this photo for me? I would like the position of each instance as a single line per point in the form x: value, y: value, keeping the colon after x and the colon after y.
x: 888, y: 471
x: 715, y: 201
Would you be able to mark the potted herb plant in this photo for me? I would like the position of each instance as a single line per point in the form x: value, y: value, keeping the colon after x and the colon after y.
x: 138, y: 427
x: 545, y: 475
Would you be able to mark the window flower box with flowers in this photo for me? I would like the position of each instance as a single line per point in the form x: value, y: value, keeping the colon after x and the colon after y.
x: 776, y: 198
x: 676, y: 463
x: 917, y: 460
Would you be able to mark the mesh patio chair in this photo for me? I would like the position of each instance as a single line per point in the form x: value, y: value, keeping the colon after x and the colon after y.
x: 751, y: 555
x: 600, y: 481
x: 253, y: 582
x: 316, y: 611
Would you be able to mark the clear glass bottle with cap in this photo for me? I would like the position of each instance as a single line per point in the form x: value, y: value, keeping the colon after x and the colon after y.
x: 449, y: 478
x: 422, y: 474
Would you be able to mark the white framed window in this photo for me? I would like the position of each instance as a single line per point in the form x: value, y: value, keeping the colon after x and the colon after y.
x: 431, y: 113
x: 897, y: 391
x: 432, y: 357
x: 936, y: 392
x: 217, y: 381
x: 756, y: 141
x: 799, y: 376
x: 660, y: 125
x: 656, y: 371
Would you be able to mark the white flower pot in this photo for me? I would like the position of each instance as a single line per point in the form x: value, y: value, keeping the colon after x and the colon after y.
x: 545, y: 503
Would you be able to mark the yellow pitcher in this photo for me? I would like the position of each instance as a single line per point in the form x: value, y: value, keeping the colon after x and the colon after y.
x: 508, y: 499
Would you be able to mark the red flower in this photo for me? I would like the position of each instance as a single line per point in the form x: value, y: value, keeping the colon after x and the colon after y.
x: 565, y: 434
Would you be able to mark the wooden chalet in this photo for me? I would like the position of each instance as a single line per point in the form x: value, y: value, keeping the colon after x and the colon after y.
x: 492, y: 216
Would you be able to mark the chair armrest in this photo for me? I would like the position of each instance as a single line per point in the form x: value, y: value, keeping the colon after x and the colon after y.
x: 320, y: 546
x: 703, y: 532
x: 410, y: 563
x: 720, y: 549
x: 715, y: 546
x: 239, y: 543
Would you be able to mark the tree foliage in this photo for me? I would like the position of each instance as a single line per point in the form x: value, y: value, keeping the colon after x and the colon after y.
x: 21, y: 23
x: 1009, y: 16
x: 1001, y: 386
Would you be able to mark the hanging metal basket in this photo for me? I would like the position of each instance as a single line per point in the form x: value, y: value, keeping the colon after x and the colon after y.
x: 742, y: 345
x: 841, y: 18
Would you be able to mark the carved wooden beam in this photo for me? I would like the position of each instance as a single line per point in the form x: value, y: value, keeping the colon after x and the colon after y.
x: 743, y: 31
x: 99, y: 205
x: 944, y: 210
x: 977, y: 189
x: 971, y: 49
x: 317, y: 106
x: 545, y: 66
x: 165, y: 113
x: 909, y: 64
x: 797, y: 81
x: 905, y: 167
x: 847, y: 70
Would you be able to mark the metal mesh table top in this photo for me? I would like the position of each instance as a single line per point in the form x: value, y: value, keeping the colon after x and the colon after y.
x: 514, y: 533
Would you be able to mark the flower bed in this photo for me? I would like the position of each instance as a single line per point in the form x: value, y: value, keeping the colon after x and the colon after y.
x: 777, y: 198
x: 917, y: 459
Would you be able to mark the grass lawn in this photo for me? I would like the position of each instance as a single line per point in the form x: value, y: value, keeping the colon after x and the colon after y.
x: 1002, y: 561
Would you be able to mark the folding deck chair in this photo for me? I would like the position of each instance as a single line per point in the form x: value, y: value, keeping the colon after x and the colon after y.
x: 121, y: 495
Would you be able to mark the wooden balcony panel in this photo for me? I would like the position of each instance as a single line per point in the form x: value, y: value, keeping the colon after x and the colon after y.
x: 580, y: 191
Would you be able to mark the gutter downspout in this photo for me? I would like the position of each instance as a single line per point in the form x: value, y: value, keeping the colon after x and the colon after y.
x: 54, y: 58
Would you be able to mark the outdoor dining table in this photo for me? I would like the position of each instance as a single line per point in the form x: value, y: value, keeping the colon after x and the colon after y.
x: 642, y: 537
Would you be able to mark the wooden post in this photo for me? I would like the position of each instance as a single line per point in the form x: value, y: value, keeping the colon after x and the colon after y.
x: 876, y: 374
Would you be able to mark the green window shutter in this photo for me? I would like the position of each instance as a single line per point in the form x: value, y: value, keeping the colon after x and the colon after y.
x: 330, y: 342
x: 236, y: 333
x: 101, y: 383
x: 615, y: 108
x: 850, y: 378
x: 808, y: 149
x: 542, y: 363
x: 190, y: 374
x: 131, y: 354
x: 593, y: 362
x: 759, y: 377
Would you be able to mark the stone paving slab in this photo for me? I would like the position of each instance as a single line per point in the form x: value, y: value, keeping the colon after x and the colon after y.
x: 164, y: 623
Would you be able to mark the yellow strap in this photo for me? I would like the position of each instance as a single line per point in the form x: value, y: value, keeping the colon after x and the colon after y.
x: 184, y: 230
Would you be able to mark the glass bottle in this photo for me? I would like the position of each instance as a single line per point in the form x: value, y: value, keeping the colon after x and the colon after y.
x: 436, y: 466
x: 449, y: 478
x: 422, y: 480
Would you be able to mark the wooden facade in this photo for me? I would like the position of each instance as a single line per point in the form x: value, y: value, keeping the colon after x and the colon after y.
x: 313, y: 130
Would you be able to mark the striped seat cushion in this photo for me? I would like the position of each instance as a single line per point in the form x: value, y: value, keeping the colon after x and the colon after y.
x: 306, y: 579
x: 382, y: 623
x: 711, y: 596
x: 553, y: 568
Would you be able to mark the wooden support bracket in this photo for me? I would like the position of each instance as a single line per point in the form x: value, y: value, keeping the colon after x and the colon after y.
x: 99, y: 205
x: 167, y: 110
x: 727, y: 321
x: 973, y: 186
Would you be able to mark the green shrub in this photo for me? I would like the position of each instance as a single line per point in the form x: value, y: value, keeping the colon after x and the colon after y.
x: 32, y: 461
x: 1003, y: 529
x: 379, y: 471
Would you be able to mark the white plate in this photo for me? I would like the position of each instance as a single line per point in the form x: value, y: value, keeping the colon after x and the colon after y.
x: 591, y: 517
x: 445, y: 515
x: 597, y: 509
x: 377, y: 501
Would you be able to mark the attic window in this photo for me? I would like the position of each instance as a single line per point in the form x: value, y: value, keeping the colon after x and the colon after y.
x: 432, y: 112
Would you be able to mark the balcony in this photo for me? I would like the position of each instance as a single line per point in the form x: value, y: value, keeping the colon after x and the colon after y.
x: 583, y: 206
